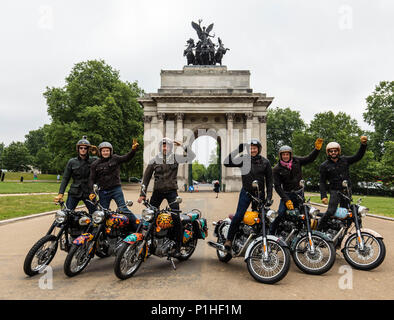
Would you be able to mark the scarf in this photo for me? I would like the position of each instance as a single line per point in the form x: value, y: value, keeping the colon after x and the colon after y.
x: 287, y: 165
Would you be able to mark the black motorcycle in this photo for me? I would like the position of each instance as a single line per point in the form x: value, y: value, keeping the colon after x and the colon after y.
x: 155, y: 236
x: 267, y: 257
x: 105, y: 234
x: 362, y: 248
x: 313, y: 252
x: 68, y: 224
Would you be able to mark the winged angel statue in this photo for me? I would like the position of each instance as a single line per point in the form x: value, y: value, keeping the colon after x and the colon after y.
x: 204, y: 53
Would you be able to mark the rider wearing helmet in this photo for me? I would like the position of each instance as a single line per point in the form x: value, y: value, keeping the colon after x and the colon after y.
x: 78, y: 169
x: 334, y: 170
x: 164, y: 167
x: 105, y: 172
x: 287, y: 176
x: 253, y: 167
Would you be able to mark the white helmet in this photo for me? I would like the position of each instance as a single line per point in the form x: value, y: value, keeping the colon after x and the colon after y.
x: 333, y: 145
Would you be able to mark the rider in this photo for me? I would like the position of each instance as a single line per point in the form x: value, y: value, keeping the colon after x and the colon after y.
x: 165, y: 169
x: 287, y: 176
x: 253, y: 167
x: 336, y: 169
x: 105, y: 172
x: 78, y: 168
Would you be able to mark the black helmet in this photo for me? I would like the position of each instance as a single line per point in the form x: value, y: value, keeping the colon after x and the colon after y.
x: 105, y: 144
x: 256, y: 142
x: 83, y: 142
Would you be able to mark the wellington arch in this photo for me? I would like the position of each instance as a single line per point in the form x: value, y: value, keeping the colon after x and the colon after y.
x: 205, y: 100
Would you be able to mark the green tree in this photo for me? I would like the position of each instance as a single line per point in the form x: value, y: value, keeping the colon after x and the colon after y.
x: 16, y: 157
x: 380, y: 114
x: 213, y: 170
x: 1, y: 154
x: 199, y: 172
x: 281, y: 124
x: 96, y: 103
x: 386, y: 165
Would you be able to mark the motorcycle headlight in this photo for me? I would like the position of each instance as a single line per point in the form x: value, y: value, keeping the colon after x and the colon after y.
x: 271, y: 215
x: 98, y: 217
x: 313, y: 212
x: 84, y: 221
x: 60, y: 216
x: 362, y: 211
x: 147, y: 214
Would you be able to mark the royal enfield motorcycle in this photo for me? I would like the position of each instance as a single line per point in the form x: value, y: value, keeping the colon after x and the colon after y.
x: 362, y: 248
x: 313, y: 251
x: 155, y: 236
x: 267, y: 256
x: 68, y: 225
x: 103, y: 237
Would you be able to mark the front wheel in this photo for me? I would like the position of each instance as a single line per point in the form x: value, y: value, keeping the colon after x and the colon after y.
x: 371, y: 257
x: 78, y: 258
x: 40, y: 255
x: 274, y: 268
x: 318, y: 262
x: 128, y: 260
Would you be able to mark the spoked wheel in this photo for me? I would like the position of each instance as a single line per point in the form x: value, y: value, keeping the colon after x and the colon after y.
x: 371, y: 257
x: 274, y: 268
x: 128, y: 260
x: 318, y: 262
x: 78, y: 258
x: 188, y: 249
x: 40, y: 255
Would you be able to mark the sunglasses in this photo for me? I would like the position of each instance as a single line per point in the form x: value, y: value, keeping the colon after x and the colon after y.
x: 333, y: 151
x: 83, y: 148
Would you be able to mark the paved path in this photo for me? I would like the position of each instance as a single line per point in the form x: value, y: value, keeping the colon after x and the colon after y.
x: 202, y: 277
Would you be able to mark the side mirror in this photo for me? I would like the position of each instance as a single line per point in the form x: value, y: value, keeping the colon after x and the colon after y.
x: 178, y: 200
x: 95, y: 188
x: 302, y: 183
x: 129, y: 203
x: 344, y: 183
x: 143, y: 188
x: 255, y: 184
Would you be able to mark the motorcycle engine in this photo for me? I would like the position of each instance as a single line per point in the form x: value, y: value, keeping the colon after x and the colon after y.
x: 163, y: 246
x: 239, y: 242
x: 247, y: 230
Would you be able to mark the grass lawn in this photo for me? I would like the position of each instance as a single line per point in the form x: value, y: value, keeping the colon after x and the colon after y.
x: 377, y: 205
x: 18, y: 206
x: 28, y: 187
x: 12, y: 176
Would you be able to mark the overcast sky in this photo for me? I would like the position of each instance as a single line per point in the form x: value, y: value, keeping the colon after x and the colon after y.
x: 312, y: 56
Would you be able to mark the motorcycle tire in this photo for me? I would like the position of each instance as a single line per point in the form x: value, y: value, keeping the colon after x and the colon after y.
x: 73, y: 254
x: 121, y: 259
x: 256, y: 254
x: 27, y: 265
x: 223, y: 256
x: 374, y: 264
x: 189, y: 249
x: 300, y: 253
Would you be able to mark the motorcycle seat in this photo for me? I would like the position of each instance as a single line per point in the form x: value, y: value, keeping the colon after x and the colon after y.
x: 231, y: 216
x: 185, y: 218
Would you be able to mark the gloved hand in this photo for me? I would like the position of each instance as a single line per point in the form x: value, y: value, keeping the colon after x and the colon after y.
x: 92, y: 196
x: 140, y: 199
x: 324, y: 201
x: 289, y: 205
x: 363, y: 139
x: 58, y: 198
x: 318, y: 143
x: 135, y: 145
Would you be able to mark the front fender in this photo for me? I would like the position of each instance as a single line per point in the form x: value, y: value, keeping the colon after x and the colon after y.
x: 133, y: 238
x: 258, y: 239
x: 85, y: 237
x: 374, y: 233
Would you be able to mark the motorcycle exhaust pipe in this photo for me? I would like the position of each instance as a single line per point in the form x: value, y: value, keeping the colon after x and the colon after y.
x: 217, y: 246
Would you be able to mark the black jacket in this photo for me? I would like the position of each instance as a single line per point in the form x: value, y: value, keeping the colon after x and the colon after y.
x: 252, y: 168
x: 79, y: 170
x: 105, y: 172
x: 286, y: 180
x: 336, y: 172
x: 165, y: 170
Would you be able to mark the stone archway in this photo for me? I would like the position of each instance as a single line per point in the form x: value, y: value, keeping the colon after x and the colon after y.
x: 200, y: 98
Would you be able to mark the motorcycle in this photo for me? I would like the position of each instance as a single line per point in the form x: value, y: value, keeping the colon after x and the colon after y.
x: 362, y: 248
x: 267, y: 257
x: 70, y: 224
x: 313, y: 252
x: 153, y: 237
x: 103, y: 237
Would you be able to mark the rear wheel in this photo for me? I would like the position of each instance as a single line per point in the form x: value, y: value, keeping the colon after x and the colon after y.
x: 40, y: 255
x: 188, y: 248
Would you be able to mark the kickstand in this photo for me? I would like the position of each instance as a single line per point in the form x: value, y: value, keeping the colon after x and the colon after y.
x: 172, y: 262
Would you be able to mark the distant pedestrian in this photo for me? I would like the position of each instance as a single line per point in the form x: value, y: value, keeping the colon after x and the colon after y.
x: 216, y: 188
x: 58, y: 178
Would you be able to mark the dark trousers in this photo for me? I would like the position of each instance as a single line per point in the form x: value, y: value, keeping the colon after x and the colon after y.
x: 72, y: 203
x: 282, y: 211
x: 156, y: 200
x: 116, y: 194
x: 243, y: 205
x: 335, y: 199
